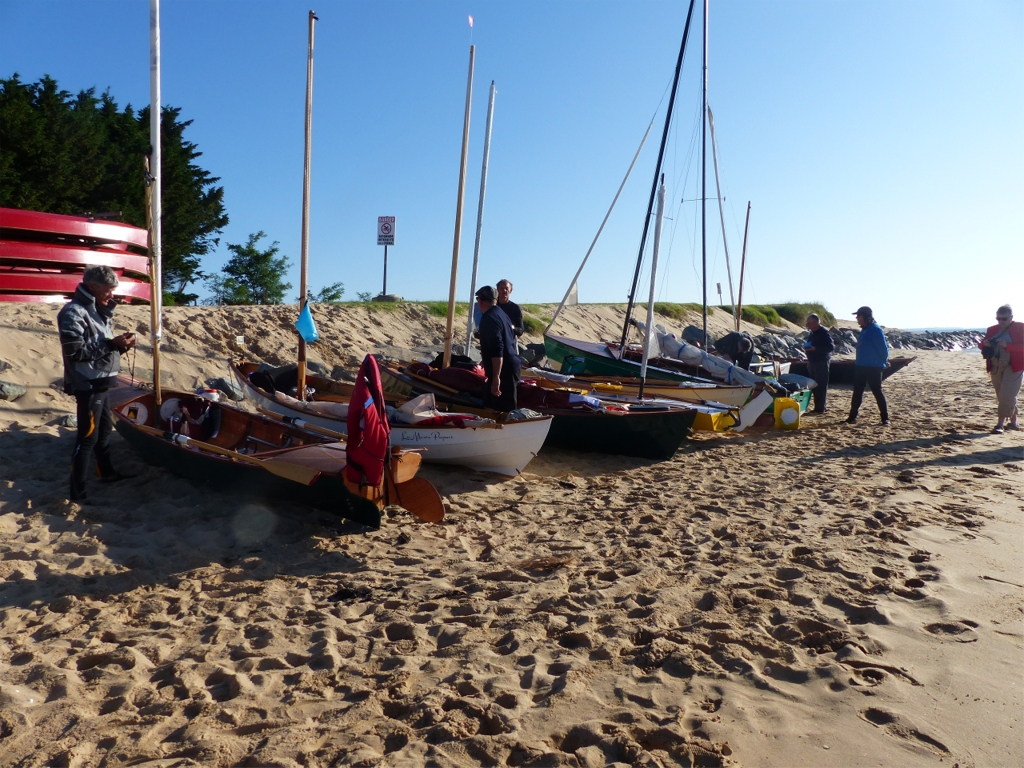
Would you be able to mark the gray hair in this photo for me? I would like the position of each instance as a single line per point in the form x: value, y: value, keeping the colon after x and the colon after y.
x: 814, y: 317
x: 1006, y: 309
x: 100, y: 275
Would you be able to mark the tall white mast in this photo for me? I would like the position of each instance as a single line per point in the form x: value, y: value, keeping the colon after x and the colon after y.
x: 304, y: 260
x: 721, y: 212
x: 480, y: 216
x: 660, y: 216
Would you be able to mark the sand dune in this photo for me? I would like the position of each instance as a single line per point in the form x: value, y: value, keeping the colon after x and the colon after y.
x: 834, y: 596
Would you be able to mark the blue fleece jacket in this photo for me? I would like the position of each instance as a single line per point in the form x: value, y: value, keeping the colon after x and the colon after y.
x: 872, y: 349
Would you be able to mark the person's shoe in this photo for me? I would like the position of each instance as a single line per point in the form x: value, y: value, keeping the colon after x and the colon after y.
x: 997, y: 430
x: 851, y: 420
x: 886, y: 422
x: 1013, y: 427
x: 116, y: 477
x: 79, y: 498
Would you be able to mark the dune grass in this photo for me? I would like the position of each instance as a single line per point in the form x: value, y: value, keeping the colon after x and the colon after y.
x: 797, y: 312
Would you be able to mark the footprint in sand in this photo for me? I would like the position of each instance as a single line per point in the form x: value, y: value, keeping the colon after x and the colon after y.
x: 961, y: 631
x: 896, y: 726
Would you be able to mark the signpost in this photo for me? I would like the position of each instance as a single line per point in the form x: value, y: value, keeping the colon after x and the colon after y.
x: 385, y: 237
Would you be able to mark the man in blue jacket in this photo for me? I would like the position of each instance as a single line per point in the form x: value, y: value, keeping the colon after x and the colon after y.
x: 872, y: 360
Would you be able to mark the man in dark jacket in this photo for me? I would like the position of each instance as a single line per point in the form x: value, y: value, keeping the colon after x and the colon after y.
x: 819, y: 348
x: 872, y: 360
x: 92, y: 360
x: 498, y: 352
x: 737, y: 348
x: 509, y: 307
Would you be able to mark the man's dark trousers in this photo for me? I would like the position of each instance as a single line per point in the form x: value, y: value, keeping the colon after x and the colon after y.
x: 818, y: 370
x: 94, y: 425
x: 863, y: 376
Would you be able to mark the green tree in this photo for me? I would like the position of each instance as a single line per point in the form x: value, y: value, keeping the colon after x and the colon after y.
x: 329, y: 294
x: 74, y: 154
x: 251, y: 276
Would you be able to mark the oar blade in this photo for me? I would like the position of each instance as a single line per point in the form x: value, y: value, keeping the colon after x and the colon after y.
x: 421, y: 498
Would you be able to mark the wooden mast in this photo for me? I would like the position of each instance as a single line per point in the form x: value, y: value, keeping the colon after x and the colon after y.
x: 449, y: 334
x: 154, y: 199
x: 304, y: 261
x: 480, y: 215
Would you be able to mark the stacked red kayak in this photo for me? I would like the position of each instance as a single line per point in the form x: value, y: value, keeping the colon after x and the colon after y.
x: 43, y: 255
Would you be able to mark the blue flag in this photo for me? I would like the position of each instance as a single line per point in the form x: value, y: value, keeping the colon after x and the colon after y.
x: 305, y: 325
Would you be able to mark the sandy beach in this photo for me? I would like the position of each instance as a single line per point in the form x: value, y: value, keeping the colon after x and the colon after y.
x: 832, y: 596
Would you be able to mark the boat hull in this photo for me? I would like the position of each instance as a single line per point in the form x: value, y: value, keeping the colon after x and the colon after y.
x: 327, y: 492
x: 840, y: 371
x: 654, y: 435
x: 505, y: 449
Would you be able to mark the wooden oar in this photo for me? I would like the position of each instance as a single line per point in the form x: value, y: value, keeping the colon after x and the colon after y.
x: 293, y: 472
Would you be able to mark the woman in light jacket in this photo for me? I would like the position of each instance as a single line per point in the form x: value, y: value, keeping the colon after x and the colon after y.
x: 1003, y: 348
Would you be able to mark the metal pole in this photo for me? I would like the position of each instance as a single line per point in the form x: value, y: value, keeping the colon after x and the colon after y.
x: 721, y: 213
x: 480, y: 216
x: 743, y: 265
x: 384, y: 290
x: 304, y: 260
x: 156, y: 199
x: 448, y: 333
x: 704, y: 180
x: 654, y: 274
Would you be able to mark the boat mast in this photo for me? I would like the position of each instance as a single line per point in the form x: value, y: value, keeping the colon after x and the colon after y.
x: 304, y: 260
x: 155, y: 200
x: 600, y: 229
x: 704, y: 180
x: 721, y: 214
x: 654, y: 184
x: 743, y: 264
x: 654, y: 273
x: 449, y: 334
x: 480, y: 216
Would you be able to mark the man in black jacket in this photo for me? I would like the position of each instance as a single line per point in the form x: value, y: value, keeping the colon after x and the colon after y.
x: 509, y: 307
x: 819, y: 348
x: 92, y: 359
x: 737, y: 348
x: 498, y: 353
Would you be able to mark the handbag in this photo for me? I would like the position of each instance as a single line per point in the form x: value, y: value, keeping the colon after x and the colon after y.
x: 988, y: 352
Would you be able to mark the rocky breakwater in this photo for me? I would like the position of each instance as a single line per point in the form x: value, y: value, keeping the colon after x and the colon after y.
x: 780, y: 344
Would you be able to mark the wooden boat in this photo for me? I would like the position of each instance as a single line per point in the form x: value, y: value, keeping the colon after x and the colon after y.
x: 243, y: 452
x: 482, y: 444
x: 43, y: 255
x: 650, y: 430
x: 840, y: 370
x: 734, y: 395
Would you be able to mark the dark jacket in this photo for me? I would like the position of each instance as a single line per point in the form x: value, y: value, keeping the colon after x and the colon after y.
x: 498, y: 340
x: 823, y: 345
x: 730, y: 345
x: 91, y: 360
x: 515, y: 316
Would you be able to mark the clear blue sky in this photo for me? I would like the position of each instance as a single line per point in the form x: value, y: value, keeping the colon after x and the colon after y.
x: 881, y: 144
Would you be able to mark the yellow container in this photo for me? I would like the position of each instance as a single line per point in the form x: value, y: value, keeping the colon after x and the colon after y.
x: 787, y: 413
x: 715, y: 422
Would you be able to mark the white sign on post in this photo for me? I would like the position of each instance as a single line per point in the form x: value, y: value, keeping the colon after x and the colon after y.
x: 385, y: 230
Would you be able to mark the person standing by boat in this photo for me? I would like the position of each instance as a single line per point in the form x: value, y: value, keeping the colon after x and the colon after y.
x: 92, y: 360
x: 498, y: 352
x: 1003, y: 350
x: 872, y: 360
x: 819, y: 349
x: 509, y: 307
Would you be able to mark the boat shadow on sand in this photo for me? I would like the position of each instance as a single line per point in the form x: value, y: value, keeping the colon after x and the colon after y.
x: 154, y: 528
